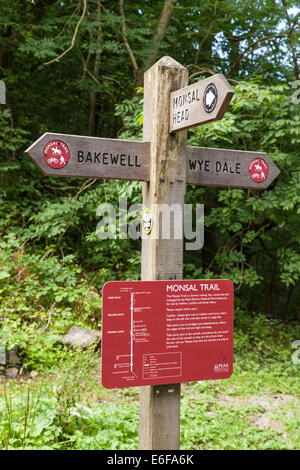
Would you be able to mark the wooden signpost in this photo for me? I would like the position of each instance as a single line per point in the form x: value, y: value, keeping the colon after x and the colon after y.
x: 165, y: 164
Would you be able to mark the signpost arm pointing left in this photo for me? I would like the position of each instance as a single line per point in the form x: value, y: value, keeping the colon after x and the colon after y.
x: 91, y: 157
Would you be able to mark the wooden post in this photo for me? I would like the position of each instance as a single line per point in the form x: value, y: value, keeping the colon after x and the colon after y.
x: 162, y: 259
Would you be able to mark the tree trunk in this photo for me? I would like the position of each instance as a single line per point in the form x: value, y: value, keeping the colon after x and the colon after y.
x: 93, y: 95
x: 156, y: 38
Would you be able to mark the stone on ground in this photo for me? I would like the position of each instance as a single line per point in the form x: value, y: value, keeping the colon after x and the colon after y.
x: 81, y: 337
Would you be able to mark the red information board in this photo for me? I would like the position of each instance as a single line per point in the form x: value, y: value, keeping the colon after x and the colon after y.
x: 159, y: 332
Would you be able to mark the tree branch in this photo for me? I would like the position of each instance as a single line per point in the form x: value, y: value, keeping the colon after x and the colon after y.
x: 126, y: 43
x: 252, y: 47
x: 85, y: 185
x: 201, y: 71
x: 99, y: 84
x: 207, y: 34
x: 157, y: 35
x: 92, y: 117
x: 159, y: 32
x: 294, y: 55
x: 74, y: 35
x: 113, y: 80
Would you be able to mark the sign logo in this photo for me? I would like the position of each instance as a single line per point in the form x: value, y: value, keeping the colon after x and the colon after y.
x: 258, y: 170
x: 57, y: 154
x: 221, y: 367
x: 147, y: 221
x: 210, y: 97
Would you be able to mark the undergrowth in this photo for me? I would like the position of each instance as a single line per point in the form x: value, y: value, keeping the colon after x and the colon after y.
x: 69, y: 409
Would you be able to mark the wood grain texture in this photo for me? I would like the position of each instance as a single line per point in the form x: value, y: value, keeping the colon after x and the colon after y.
x: 131, y: 161
x: 99, y: 157
x: 186, y: 104
x: 162, y: 259
x: 222, y: 167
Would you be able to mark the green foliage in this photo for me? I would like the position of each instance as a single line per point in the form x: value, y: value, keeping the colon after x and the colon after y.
x: 70, y: 410
x: 224, y: 428
x: 52, y: 263
x: 57, y: 265
x: 132, y: 114
x: 28, y: 419
x: 251, y: 228
x: 111, y: 427
x: 31, y: 419
x: 257, y: 233
x: 43, y: 415
x: 50, y: 252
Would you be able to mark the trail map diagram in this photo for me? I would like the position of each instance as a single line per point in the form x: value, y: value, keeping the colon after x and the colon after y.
x: 166, y: 331
x: 137, y: 334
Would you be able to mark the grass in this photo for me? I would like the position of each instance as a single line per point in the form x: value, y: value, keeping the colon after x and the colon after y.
x: 258, y: 407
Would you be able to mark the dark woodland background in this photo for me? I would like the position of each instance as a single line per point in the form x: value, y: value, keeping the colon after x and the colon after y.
x: 77, y: 67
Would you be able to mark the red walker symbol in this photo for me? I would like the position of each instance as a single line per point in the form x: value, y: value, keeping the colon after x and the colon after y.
x: 56, y: 154
x: 258, y: 170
